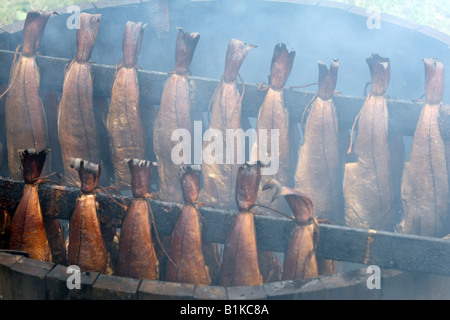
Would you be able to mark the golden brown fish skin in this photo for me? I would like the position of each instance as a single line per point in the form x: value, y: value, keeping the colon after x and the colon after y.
x: 137, y: 256
x: 300, y: 260
x: 87, y: 248
x: 174, y: 113
x: 26, y: 121
x: 367, y: 183
x: 55, y: 238
x: 124, y: 124
x: 219, y: 180
x: 27, y: 226
x: 77, y: 130
x: 319, y: 167
x: 273, y: 114
x: 186, y: 243
x: 425, y: 177
x: 240, y: 266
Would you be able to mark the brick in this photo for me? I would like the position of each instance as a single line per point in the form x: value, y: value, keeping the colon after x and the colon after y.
x: 28, y: 279
x: 56, y: 284
x: 108, y: 287
x: 156, y: 290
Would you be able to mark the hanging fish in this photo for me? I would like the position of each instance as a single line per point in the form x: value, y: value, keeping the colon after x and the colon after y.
x: 240, y: 265
x: 273, y: 115
x: 219, y: 179
x: 300, y: 260
x: 27, y: 226
x: 87, y: 248
x: 186, y: 251
x: 174, y: 113
x: 319, y: 167
x: 123, y: 122
x: 77, y: 130
x: 137, y: 256
x: 425, y: 178
x: 367, y: 183
x: 26, y: 121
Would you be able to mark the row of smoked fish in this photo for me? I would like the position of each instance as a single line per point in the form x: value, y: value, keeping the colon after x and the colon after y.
x: 364, y: 193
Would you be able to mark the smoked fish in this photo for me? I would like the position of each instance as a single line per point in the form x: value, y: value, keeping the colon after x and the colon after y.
x: 27, y: 226
x: 425, y: 178
x: 300, y: 260
x: 137, y: 256
x: 173, y: 114
x: 320, y: 167
x: 77, y: 129
x: 186, y: 250
x: 87, y: 248
x: 274, y: 115
x: 124, y: 125
x: 219, y: 179
x: 26, y: 121
x: 367, y: 184
x: 240, y: 266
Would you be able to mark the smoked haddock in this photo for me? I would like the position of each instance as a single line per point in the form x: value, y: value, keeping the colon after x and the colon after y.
x: 274, y: 117
x: 367, y: 183
x: 300, y: 260
x: 27, y: 226
x: 425, y: 177
x: 219, y: 179
x: 319, y: 167
x: 137, y: 256
x: 87, y: 248
x: 77, y: 129
x: 240, y: 266
x: 26, y: 121
x: 174, y: 114
x: 188, y: 265
x: 124, y: 125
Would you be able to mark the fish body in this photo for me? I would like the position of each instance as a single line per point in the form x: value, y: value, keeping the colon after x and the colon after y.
x: 25, y: 117
x: 300, y: 260
x: 219, y: 179
x: 123, y: 122
x: 186, y: 248
x: 240, y: 265
x: 319, y: 167
x: 367, y: 183
x: 87, y: 247
x: 274, y: 115
x: 27, y: 225
x: 77, y: 128
x: 137, y: 256
x: 425, y: 177
x: 174, y: 114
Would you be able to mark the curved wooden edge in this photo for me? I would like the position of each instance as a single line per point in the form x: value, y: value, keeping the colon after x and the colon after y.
x: 24, y: 278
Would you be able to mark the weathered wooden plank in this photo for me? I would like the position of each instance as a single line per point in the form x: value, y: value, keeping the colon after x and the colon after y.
x: 385, y: 249
x: 403, y: 114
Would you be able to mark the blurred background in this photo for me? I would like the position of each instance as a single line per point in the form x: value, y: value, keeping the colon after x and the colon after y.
x: 433, y: 13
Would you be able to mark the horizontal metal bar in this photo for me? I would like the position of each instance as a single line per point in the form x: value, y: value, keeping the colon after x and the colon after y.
x: 403, y: 114
x: 370, y: 247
